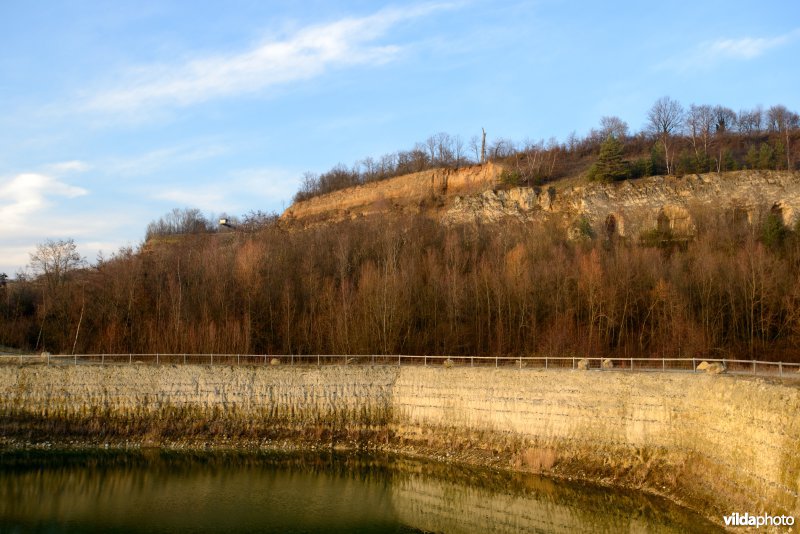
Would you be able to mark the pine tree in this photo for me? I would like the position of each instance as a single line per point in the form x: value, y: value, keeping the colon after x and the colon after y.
x: 609, y: 166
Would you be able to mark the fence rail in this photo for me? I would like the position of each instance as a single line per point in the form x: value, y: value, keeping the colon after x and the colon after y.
x: 730, y: 366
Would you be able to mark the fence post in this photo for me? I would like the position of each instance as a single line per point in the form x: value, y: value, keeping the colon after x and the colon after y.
x: 663, y: 364
x: 398, y: 361
x: 545, y: 362
x: 694, y: 367
x: 472, y: 361
x: 631, y: 364
x: 754, y: 367
x: 780, y: 368
x: 130, y: 358
x: 48, y: 359
x: 184, y: 358
x: 237, y: 360
x: 317, y: 360
x: 212, y: 359
x: 156, y: 358
x: 425, y: 361
x: 495, y: 362
x: 103, y: 359
x: 573, y: 363
x: 75, y: 356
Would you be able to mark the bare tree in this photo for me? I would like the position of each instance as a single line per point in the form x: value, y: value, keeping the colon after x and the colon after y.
x: 444, y: 148
x: 724, y: 119
x: 782, y: 121
x: 750, y: 121
x: 700, y: 120
x: 665, y: 119
x: 458, y: 150
x: 475, y: 146
x: 431, y: 145
x: 613, y: 126
x: 55, y: 259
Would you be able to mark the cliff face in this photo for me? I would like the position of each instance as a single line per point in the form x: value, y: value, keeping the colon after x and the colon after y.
x: 410, y: 193
x: 721, y: 443
x: 626, y: 209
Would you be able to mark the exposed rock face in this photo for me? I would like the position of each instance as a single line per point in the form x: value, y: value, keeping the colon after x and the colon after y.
x: 732, y: 443
x: 409, y: 193
x: 627, y: 209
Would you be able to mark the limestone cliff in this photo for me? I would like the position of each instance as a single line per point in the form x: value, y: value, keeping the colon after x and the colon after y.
x: 476, y: 194
x: 631, y: 207
x: 409, y: 193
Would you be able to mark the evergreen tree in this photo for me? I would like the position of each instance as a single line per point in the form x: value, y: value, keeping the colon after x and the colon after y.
x: 610, y: 165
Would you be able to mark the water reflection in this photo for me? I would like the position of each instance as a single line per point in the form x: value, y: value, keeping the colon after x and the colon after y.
x: 160, y: 491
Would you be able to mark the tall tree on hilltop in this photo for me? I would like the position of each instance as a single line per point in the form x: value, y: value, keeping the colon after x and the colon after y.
x: 783, y: 122
x: 665, y: 119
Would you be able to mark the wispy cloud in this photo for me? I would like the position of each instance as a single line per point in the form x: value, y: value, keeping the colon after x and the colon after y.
x: 159, y: 159
x: 26, y: 204
x: 304, y: 54
x: 71, y: 166
x: 740, y: 49
x: 261, y: 185
x: 27, y: 193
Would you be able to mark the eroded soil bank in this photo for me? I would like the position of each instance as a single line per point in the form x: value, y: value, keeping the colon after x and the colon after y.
x: 716, y: 444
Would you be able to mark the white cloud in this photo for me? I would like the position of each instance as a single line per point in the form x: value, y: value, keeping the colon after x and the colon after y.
x: 746, y: 47
x: 27, y: 193
x: 68, y: 167
x: 741, y: 49
x: 28, y: 206
x: 306, y: 53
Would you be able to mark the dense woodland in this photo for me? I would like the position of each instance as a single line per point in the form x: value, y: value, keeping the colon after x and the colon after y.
x: 675, y: 140
x: 410, y: 285
x: 414, y: 286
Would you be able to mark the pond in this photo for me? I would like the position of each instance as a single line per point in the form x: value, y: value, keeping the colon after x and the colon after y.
x: 165, y: 491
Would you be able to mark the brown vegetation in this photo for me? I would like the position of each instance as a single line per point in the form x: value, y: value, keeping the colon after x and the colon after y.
x: 414, y: 286
x: 702, y: 138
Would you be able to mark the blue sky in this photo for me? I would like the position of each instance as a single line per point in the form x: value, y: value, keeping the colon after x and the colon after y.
x: 113, y: 113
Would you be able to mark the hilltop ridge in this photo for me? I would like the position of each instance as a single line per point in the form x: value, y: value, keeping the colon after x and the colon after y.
x: 478, y: 194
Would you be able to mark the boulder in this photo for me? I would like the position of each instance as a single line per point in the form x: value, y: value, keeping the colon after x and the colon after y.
x: 713, y: 368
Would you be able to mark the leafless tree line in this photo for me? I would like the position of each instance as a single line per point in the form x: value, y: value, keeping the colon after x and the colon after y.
x: 675, y: 140
x: 403, y: 285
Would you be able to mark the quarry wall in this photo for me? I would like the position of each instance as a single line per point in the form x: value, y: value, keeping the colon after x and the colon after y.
x: 407, y: 193
x: 626, y: 209
x: 717, y: 443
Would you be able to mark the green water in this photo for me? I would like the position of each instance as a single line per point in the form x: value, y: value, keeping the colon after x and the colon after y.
x: 157, y: 491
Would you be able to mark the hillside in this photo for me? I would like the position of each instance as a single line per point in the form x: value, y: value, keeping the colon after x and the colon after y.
x: 477, y: 194
x: 410, y: 193
x: 452, y: 262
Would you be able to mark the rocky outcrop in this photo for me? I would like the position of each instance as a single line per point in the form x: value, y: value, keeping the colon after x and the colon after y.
x: 723, y: 442
x: 626, y: 209
x: 664, y: 204
x: 409, y: 193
